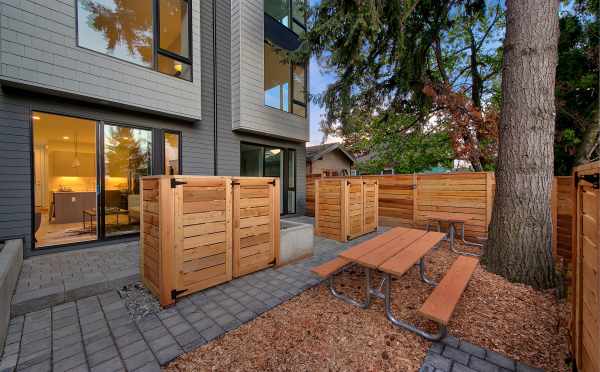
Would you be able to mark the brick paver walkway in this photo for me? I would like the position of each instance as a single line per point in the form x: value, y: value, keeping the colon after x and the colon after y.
x: 97, y: 334
x: 453, y: 355
x: 56, y: 278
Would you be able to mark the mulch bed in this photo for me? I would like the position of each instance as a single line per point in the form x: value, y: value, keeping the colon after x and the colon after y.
x: 315, y: 332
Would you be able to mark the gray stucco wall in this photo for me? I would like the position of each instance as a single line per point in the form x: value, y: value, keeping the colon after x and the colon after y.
x: 39, y: 49
x: 197, y: 137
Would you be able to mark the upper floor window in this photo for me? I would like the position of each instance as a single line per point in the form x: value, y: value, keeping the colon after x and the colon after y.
x: 290, y: 13
x: 285, y: 84
x: 150, y: 33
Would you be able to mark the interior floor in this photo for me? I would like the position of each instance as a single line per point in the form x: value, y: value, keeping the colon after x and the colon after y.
x: 51, y: 234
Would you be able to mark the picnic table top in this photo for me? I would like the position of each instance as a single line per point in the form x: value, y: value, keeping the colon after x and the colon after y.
x: 394, y: 251
x: 447, y: 216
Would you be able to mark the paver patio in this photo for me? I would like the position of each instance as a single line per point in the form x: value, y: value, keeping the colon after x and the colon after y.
x: 96, y: 333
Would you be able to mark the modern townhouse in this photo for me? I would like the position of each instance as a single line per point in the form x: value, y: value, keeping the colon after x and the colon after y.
x: 96, y: 93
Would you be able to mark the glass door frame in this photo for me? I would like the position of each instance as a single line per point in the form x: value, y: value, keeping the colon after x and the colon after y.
x: 100, y: 176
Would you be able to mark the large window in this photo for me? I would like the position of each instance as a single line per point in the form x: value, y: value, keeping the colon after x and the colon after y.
x: 285, y: 84
x: 266, y: 161
x: 128, y: 30
x: 290, y: 13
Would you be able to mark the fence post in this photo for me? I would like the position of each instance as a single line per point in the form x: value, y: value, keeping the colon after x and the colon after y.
x: 415, y: 193
x: 490, y: 186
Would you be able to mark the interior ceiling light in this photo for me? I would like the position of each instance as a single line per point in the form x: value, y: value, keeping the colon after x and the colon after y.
x: 275, y: 151
x: 178, y: 67
x: 66, y: 137
x: 35, y: 117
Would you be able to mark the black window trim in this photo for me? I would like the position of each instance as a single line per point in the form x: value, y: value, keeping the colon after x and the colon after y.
x: 156, y: 50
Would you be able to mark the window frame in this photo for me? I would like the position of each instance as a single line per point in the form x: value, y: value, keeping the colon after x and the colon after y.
x: 293, y: 20
x: 156, y: 50
x: 291, y: 100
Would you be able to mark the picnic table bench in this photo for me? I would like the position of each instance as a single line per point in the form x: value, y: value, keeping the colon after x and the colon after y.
x: 394, y: 253
x: 452, y: 219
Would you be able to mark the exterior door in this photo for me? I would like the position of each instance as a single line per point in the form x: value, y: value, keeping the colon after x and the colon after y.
x: 255, y: 224
x: 203, y: 224
x: 370, y: 204
x: 355, y: 208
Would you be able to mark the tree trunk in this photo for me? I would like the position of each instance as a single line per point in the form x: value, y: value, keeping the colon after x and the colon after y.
x: 520, y: 233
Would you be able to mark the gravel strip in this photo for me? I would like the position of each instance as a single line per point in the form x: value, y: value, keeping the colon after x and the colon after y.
x: 138, y: 300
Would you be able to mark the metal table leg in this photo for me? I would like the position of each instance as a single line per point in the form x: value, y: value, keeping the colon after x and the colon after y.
x: 400, y: 323
x: 363, y: 305
x: 423, y: 275
x: 462, y: 237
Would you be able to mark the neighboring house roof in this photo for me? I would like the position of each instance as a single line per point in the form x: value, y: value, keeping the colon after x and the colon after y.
x: 317, y: 152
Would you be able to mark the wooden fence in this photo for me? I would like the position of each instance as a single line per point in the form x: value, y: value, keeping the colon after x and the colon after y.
x: 586, y: 268
x: 405, y: 200
x: 198, y: 232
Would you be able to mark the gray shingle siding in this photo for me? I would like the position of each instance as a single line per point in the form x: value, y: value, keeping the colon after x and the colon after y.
x: 197, y: 136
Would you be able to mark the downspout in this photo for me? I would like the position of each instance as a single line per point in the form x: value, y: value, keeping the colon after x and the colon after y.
x: 215, y: 126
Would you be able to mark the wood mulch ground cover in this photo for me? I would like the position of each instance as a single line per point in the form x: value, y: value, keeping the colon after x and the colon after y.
x: 316, y: 332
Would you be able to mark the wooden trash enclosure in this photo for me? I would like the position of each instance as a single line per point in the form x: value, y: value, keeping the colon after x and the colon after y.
x: 198, y: 231
x: 586, y: 267
x: 346, y: 208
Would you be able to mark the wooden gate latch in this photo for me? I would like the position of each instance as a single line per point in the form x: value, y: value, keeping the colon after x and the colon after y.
x: 176, y: 182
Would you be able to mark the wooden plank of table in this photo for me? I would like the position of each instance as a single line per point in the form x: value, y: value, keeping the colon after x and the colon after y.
x: 408, y: 257
x: 447, y: 216
x: 388, y: 250
x: 361, y: 249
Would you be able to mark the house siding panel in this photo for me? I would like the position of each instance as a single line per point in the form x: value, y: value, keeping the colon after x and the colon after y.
x: 38, y: 50
x: 247, y: 74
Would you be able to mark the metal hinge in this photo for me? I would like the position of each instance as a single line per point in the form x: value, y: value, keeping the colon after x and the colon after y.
x: 594, y: 179
x: 272, y: 262
x: 272, y: 182
x: 234, y: 182
x: 175, y: 182
x: 175, y: 293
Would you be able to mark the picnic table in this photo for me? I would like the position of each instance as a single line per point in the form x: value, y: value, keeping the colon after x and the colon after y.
x: 452, y: 219
x: 394, y: 253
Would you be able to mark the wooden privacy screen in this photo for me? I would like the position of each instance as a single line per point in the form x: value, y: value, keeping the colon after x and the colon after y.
x: 256, y: 224
x: 198, y: 232
x: 586, y: 258
x: 345, y: 208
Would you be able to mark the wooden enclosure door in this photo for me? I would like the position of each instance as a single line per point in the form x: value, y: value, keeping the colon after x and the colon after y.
x: 330, y: 210
x: 203, y: 231
x: 355, y: 204
x: 255, y: 224
x: 370, y: 204
x: 587, y: 323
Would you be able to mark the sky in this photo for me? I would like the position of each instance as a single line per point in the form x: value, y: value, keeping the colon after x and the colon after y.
x: 318, y: 83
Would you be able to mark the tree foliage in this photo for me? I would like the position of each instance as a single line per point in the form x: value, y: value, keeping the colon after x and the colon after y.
x: 384, y: 55
x: 577, y: 127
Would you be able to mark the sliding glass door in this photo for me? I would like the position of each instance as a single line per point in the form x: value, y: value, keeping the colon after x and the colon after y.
x: 127, y: 157
x: 86, y: 176
x: 265, y: 161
